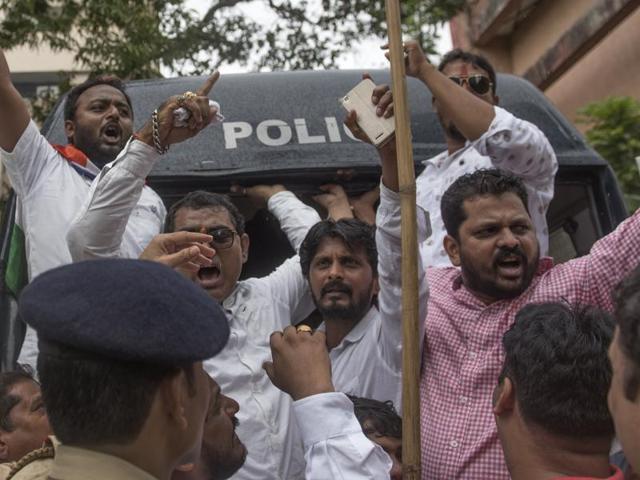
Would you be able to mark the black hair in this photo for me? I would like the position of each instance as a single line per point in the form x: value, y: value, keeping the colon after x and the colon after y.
x: 353, y: 232
x: 22, y: 373
x: 71, y: 102
x: 474, y: 59
x: 486, y: 181
x: 556, y: 358
x: 626, y: 299
x: 382, y: 416
x: 92, y: 400
x: 199, y: 200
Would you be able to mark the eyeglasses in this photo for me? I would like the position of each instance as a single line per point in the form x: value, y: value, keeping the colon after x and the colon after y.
x: 223, y: 237
x: 478, y: 83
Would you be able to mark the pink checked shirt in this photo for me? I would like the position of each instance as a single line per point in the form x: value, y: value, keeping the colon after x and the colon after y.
x: 463, y: 353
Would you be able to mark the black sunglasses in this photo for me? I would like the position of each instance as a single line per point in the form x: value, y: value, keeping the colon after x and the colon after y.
x: 478, y: 83
x: 223, y: 237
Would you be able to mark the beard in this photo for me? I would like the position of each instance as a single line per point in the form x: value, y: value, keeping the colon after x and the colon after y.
x: 217, y: 466
x: 93, y: 147
x: 355, y: 309
x: 451, y: 131
x: 482, y: 282
x: 455, y: 134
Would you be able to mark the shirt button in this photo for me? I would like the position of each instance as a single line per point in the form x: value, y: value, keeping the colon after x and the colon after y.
x: 463, y: 400
x: 473, y: 355
x: 453, y: 444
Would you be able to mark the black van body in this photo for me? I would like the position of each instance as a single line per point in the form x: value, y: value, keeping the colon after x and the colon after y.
x: 286, y: 127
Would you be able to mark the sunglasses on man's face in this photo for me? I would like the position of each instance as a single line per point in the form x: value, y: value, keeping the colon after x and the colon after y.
x: 478, y: 83
x: 223, y: 237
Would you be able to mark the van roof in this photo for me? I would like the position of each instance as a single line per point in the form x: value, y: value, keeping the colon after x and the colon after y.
x: 292, y: 122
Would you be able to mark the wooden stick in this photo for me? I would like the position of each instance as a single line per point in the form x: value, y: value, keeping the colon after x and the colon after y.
x: 406, y: 176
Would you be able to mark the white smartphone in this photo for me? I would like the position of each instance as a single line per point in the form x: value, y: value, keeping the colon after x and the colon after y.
x: 378, y: 129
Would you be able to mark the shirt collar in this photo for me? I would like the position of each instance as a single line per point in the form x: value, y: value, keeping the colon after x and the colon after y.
x: 238, y: 297
x: 444, y: 157
x: 73, y: 463
x: 438, y: 158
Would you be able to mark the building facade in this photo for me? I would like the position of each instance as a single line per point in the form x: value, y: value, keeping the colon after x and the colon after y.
x: 575, y: 51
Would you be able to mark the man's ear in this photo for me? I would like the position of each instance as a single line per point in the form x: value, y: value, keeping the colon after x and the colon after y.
x: 244, y: 244
x: 174, y: 394
x: 452, y: 248
x: 69, y: 129
x: 4, y: 447
x: 375, y: 289
x: 504, y: 397
x: 496, y: 100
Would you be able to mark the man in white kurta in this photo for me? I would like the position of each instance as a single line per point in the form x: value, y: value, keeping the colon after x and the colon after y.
x: 51, y: 184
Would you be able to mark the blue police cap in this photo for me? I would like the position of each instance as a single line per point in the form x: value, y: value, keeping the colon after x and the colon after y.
x: 129, y: 310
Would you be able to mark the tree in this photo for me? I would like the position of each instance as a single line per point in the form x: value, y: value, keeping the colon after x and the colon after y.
x: 614, y: 132
x: 135, y: 38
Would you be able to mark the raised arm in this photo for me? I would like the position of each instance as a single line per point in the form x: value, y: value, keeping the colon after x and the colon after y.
x: 513, y: 144
x: 98, y: 229
x: 591, y: 279
x: 14, y: 115
x: 389, y: 242
x: 295, y: 217
x: 286, y: 283
x: 471, y: 115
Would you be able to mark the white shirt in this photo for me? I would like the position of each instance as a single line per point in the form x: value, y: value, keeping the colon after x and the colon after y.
x: 511, y: 144
x: 368, y: 361
x: 335, y: 447
x: 50, y: 193
x: 256, y: 308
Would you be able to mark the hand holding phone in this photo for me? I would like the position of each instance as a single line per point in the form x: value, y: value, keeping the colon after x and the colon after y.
x: 378, y: 129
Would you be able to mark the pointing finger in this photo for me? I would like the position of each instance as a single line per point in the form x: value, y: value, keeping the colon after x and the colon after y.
x: 208, y: 84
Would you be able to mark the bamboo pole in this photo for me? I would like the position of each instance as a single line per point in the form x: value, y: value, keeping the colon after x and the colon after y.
x: 407, y: 180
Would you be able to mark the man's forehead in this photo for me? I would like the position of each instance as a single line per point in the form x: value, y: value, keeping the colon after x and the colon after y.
x: 336, y: 244
x: 462, y: 68
x: 24, y: 387
x: 207, y: 217
x: 102, y: 91
x: 485, y: 207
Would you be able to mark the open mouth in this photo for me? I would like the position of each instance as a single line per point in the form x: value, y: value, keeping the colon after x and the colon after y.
x: 209, y: 277
x: 337, y: 290
x: 112, y: 133
x: 511, y: 267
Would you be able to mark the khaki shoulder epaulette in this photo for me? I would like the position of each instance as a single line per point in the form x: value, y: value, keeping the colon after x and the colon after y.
x: 39, y: 454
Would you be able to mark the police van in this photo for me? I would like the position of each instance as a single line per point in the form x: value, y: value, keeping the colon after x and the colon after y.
x: 287, y: 127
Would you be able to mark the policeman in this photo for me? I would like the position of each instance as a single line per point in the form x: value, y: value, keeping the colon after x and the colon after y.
x: 121, y: 348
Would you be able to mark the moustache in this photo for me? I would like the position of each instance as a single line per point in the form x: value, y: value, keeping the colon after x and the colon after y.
x: 504, y: 253
x: 335, y: 286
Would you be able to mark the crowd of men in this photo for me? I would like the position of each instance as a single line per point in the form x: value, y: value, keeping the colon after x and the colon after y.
x: 155, y: 361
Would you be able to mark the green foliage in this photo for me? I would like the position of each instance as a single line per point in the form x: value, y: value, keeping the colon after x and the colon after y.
x: 614, y: 132
x: 135, y: 38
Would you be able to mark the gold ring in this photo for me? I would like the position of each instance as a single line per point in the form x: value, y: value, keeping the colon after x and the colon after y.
x: 186, y: 96
x: 304, y: 328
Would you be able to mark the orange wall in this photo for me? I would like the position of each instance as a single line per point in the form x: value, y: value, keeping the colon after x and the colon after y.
x: 612, y: 67
x: 549, y: 20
